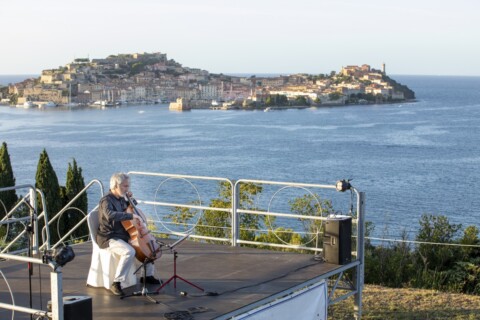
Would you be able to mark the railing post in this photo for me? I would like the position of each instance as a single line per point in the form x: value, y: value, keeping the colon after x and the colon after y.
x: 57, y: 295
x: 359, y: 275
x: 33, y: 220
x: 235, y: 220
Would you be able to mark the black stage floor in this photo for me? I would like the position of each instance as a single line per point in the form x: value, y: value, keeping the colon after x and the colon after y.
x: 240, y: 276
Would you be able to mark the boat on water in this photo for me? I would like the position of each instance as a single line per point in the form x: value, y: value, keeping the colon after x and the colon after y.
x: 102, y: 104
x: 268, y: 109
x: 49, y: 104
x: 229, y: 105
x: 27, y: 105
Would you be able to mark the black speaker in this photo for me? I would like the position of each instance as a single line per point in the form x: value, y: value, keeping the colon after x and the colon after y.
x: 76, y: 308
x: 337, y: 240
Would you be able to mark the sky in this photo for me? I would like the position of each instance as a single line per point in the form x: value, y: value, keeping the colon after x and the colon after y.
x: 413, y: 37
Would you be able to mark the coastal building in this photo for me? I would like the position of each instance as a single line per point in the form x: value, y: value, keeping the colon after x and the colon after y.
x: 179, y: 105
x: 274, y: 82
x: 292, y: 95
x: 49, y: 76
x: 208, y: 91
x: 376, y: 89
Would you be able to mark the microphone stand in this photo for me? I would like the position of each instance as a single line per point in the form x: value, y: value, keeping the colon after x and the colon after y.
x: 144, y: 292
x: 175, y: 275
x: 29, y: 228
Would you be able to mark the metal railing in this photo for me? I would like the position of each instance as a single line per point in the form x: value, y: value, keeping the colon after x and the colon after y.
x: 55, y: 287
x: 168, y: 177
x: 46, y: 244
x: 32, y: 220
x: 235, y: 210
x: 32, y: 228
x: 30, y: 200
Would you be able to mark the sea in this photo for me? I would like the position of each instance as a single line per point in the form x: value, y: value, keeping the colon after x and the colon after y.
x: 410, y: 159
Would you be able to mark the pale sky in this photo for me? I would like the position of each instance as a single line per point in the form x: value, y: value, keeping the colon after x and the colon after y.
x: 424, y: 37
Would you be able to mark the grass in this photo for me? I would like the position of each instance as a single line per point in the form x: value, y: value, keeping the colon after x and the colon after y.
x: 408, y: 304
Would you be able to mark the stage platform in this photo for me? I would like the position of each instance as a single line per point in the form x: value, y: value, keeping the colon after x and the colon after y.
x: 239, y: 276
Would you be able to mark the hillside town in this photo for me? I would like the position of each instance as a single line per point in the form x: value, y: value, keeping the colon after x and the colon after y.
x: 153, y: 78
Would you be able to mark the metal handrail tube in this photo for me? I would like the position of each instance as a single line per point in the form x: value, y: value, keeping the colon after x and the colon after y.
x: 14, y: 220
x: 200, y: 237
x: 26, y: 259
x: 170, y: 204
x: 277, y: 245
x: 19, y: 203
x: 181, y: 176
x: 22, y: 186
x: 24, y: 309
x: 292, y: 184
x: 285, y: 215
x: 45, y: 219
x: 73, y: 229
x: 13, y: 241
x: 20, y: 251
x: 67, y: 206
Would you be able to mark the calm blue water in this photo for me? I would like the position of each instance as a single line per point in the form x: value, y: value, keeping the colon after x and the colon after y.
x: 410, y: 159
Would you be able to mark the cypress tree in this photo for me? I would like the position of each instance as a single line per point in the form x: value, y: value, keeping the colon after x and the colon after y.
x: 74, y: 184
x: 47, y: 181
x: 8, y: 199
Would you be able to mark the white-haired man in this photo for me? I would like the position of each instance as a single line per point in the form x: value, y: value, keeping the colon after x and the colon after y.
x: 112, y: 235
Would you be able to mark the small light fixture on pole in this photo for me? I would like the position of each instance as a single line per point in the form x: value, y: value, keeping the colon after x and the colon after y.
x: 343, y: 185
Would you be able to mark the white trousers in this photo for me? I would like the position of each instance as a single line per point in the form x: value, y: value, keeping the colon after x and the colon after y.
x: 126, y: 254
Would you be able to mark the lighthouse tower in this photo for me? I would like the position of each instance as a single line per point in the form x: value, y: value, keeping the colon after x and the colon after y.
x: 383, y: 68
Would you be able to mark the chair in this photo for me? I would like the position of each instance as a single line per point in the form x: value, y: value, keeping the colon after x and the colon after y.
x: 104, y: 263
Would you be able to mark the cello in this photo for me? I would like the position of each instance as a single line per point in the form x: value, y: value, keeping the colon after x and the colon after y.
x: 147, y: 249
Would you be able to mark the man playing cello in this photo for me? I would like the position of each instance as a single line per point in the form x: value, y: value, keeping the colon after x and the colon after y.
x: 112, y: 234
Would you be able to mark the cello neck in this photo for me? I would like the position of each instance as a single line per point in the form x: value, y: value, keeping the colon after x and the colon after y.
x: 132, y: 202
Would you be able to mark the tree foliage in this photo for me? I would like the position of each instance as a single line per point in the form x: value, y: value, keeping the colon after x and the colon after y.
x: 432, y: 264
x: 436, y: 229
x: 47, y: 181
x: 218, y: 223
x: 7, y: 198
x: 311, y: 205
x: 276, y: 100
x: 334, y: 96
x: 74, y: 184
x: 301, y: 101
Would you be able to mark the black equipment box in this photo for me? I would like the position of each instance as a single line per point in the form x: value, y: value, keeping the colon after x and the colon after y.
x: 75, y: 308
x: 337, y: 240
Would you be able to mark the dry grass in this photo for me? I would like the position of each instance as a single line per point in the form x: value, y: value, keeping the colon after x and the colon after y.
x: 387, y: 303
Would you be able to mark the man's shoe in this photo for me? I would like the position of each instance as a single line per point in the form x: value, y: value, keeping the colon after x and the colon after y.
x: 151, y: 280
x: 117, y: 289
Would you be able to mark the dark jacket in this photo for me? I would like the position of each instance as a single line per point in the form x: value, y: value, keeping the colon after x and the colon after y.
x: 111, y: 212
